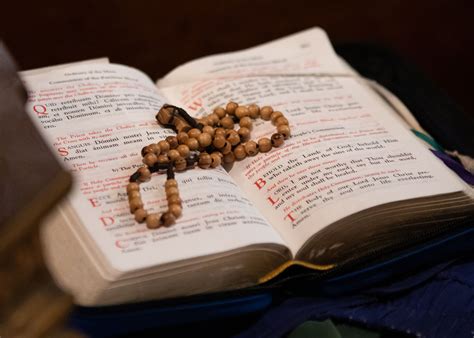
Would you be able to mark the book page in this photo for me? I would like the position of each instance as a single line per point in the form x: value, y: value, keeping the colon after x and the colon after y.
x: 97, y: 118
x: 302, y: 53
x: 347, y: 153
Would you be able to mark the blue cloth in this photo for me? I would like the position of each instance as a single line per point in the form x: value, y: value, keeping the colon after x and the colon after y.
x: 438, y: 302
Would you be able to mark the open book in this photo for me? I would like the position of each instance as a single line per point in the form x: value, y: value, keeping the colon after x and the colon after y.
x: 351, y: 179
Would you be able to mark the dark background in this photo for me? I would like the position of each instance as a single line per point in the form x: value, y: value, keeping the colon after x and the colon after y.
x: 156, y: 36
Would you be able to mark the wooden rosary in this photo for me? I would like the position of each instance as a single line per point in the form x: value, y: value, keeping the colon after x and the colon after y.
x: 207, y: 142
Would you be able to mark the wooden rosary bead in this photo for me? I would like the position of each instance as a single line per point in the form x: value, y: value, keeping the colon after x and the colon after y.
x: 213, y: 119
x: 241, y: 112
x: 173, y: 199
x: 194, y: 133
x: 151, y: 149
x: 239, y: 152
x: 282, y: 121
x: 140, y: 215
x: 246, y: 122
x: 204, y: 140
x: 231, y: 107
x: 244, y: 134
x: 277, y: 140
x: 233, y: 137
x: 275, y: 115
x: 132, y: 186
x: 164, y: 146
x: 264, y: 145
x: 183, y: 150
x: 165, y: 115
x: 153, y: 221
x: 134, y: 194
x: 284, y: 130
x: 173, y: 154
x: 227, y: 122
x: 220, y: 112
x: 176, y: 210
x: 145, y: 150
x: 172, y: 141
x: 229, y: 158
x: 218, y: 153
x: 219, y: 141
x: 251, y: 148
x: 254, y: 111
x: 266, y: 112
x: 144, y: 173
x: 163, y: 159
x: 180, y: 163
x: 226, y: 148
x: 150, y: 159
x: 155, y: 148
x: 192, y: 144
x: 182, y: 137
x: 215, y: 160
x: 135, y: 204
x: 168, y: 219
x: 209, y: 121
x: 182, y: 126
x: 209, y: 130
x: 219, y: 131
x: 171, y: 191
x: 204, y: 160
x: 171, y: 182
x: 203, y: 120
